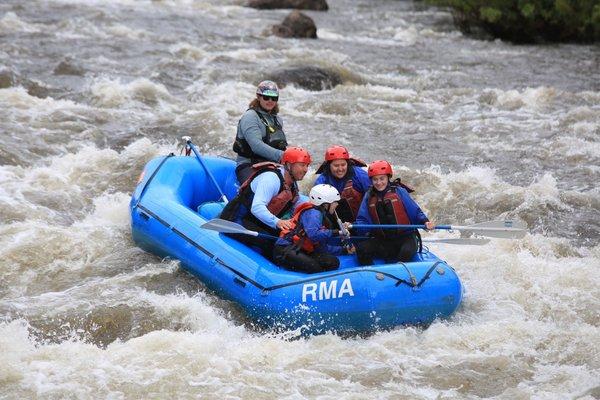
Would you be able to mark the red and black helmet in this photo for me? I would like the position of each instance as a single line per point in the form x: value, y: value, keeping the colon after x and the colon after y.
x: 380, y: 167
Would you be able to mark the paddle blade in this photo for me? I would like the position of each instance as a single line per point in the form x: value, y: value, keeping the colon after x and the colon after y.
x: 506, y: 229
x: 462, y: 241
x: 224, y: 226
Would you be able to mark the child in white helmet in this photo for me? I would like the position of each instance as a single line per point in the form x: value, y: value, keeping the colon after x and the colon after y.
x: 304, y: 247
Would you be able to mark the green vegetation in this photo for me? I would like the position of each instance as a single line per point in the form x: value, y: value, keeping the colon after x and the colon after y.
x: 527, y: 21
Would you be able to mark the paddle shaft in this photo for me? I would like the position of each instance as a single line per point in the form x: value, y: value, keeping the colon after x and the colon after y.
x: 212, y: 178
x: 445, y: 227
x: 224, y: 226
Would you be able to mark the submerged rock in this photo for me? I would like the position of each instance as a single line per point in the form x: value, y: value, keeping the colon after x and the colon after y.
x: 318, y: 5
x: 307, y: 77
x: 68, y: 67
x: 36, y: 89
x: 296, y: 25
x: 7, y: 78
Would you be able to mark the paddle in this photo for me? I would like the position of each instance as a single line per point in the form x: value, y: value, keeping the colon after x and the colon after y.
x: 224, y: 226
x: 345, y: 234
x: 190, y: 145
x: 498, y: 229
x: 463, y: 241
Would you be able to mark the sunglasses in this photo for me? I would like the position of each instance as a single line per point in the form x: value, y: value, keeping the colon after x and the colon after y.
x: 267, y: 98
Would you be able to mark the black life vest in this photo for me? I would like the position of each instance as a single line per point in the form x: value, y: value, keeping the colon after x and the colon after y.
x: 387, y: 209
x: 279, y: 204
x: 273, y: 136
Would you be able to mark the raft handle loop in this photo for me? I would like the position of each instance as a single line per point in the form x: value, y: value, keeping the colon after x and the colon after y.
x: 413, y: 283
x: 413, y: 280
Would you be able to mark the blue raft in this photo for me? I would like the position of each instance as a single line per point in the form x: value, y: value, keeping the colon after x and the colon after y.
x: 174, y: 197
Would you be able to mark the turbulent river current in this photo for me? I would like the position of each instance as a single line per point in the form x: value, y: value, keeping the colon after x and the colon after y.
x: 90, y: 90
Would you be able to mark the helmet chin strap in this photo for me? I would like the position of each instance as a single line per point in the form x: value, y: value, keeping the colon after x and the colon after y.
x: 289, y: 170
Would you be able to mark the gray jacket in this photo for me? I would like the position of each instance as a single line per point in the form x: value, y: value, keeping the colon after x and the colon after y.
x: 253, y: 130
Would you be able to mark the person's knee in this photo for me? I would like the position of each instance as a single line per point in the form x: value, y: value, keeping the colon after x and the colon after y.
x: 330, y: 262
x: 407, y: 252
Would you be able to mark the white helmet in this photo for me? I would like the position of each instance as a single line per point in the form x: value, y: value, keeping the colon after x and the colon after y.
x: 323, y: 193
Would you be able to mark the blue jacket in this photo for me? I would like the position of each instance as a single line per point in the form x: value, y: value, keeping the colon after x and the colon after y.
x: 413, y: 211
x: 360, y: 180
x: 312, y: 221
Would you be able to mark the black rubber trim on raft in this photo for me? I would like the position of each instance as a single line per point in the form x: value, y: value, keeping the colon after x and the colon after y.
x: 398, y: 280
x: 202, y: 249
x: 152, y: 177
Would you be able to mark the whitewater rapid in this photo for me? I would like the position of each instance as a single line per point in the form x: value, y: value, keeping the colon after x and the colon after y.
x: 483, y: 130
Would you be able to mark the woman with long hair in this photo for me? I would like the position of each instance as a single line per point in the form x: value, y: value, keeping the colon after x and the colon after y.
x: 260, y: 135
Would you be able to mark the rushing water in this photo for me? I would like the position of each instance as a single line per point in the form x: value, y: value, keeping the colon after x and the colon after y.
x: 92, y: 90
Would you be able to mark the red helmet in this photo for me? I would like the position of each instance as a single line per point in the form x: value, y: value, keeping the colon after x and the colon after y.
x: 380, y: 167
x: 336, y: 153
x: 294, y: 155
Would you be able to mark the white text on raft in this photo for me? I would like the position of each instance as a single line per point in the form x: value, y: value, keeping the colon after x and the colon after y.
x: 327, y: 290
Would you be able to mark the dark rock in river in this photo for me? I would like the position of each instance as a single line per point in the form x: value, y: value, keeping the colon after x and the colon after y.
x: 318, y: 5
x: 296, y: 25
x: 68, y: 67
x: 36, y: 90
x: 307, y: 77
x: 7, y: 78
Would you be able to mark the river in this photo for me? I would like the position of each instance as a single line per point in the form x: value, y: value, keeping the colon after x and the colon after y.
x: 93, y: 89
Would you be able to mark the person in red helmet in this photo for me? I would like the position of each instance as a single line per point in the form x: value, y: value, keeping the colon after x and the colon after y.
x: 388, y: 202
x: 346, y: 175
x: 266, y: 199
x: 260, y: 136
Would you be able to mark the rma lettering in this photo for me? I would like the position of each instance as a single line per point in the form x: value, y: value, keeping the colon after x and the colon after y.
x: 326, y: 290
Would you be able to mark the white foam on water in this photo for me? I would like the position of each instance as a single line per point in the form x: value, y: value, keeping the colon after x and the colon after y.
x: 120, y: 30
x: 18, y: 98
x: 534, y: 98
x: 111, y: 93
x: 109, y: 210
x: 401, y: 33
x: 60, y: 218
x: 188, y: 51
x: 11, y: 22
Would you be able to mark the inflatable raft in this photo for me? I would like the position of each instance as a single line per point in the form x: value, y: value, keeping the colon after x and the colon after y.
x: 175, y: 196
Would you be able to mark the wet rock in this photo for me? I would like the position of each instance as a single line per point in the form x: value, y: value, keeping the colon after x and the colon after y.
x: 68, y: 67
x: 296, y: 25
x: 36, y: 90
x: 318, y: 5
x: 307, y: 77
x: 7, y: 78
